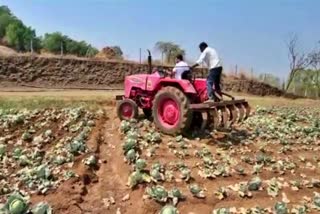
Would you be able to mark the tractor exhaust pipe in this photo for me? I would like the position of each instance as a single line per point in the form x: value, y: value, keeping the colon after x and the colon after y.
x: 149, y: 61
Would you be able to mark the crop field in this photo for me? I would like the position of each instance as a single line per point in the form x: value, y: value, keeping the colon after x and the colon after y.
x: 70, y: 154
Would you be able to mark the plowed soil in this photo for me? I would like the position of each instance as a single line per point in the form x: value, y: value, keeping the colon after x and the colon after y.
x: 90, y: 192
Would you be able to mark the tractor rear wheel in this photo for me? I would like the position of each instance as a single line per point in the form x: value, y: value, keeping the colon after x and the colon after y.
x: 127, y: 109
x: 171, y: 113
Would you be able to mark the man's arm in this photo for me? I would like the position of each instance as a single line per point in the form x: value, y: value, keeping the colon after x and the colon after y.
x: 195, y: 65
x: 200, y: 60
x: 174, y: 69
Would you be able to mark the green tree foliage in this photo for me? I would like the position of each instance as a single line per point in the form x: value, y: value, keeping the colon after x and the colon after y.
x: 80, y: 48
x: 15, y: 33
x: 6, y: 18
x: 5, y: 10
x: 91, y: 52
x: 53, y: 42
x: 30, y: 40
x: 23, y: 38
x: 304, y: 76
x: 306, y: 83
x: 56, y: 41
x: 170, y: 50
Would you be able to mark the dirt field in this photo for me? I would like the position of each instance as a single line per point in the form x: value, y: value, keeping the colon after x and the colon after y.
x: 278, y: 145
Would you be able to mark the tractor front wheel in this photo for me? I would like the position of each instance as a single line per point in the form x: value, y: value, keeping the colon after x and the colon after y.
x: 171, y: 111
x: 127, y: 109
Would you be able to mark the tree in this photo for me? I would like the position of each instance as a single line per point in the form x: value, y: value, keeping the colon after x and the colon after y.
x: 30, y: 41
x: 83, y: 48
x: 304, y: 83
x: 54, y: 42
x: 91, y: 52
x: 24, y: 38
x: 15, y: 33
x: 314, y: 59
x: 72, y: 47
x: 298, y: 60
x: 118, y: 51
x: 170, y: 50
x: 5, y: 10
x: 6, y: 18
x: 80, y: 48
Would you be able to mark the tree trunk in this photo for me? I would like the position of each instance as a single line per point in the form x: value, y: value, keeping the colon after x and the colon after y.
x: 291, y: 76
x: 306, y: 92
x: 318, y: 84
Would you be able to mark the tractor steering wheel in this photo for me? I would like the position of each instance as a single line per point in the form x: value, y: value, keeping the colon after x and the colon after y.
x: 193, y: 76
x: 162, y: 72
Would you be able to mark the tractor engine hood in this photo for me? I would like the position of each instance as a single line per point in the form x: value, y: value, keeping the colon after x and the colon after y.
x: 138, y: 81
x: 137, y: 78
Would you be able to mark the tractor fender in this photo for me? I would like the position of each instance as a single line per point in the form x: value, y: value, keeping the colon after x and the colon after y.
x: 184, y: 85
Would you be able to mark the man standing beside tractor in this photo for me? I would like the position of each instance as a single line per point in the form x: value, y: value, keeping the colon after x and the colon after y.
x: 210, y: 57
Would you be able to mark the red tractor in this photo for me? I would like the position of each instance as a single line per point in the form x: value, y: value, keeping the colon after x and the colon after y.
x: 175, y: 104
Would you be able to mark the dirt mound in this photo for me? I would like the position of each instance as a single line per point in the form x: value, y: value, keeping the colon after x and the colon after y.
x: 100, y: 74
x: 252, y: 87
x: 5, y: 51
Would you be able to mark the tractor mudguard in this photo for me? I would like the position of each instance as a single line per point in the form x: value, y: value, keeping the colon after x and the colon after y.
x: 185, y: 85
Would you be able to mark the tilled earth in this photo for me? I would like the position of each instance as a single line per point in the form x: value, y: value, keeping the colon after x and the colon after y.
x: 92, y: 163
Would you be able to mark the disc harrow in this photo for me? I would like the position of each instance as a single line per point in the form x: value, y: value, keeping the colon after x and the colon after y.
x: 222, y: 114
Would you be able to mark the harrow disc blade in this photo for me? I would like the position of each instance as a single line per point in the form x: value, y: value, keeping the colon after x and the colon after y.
x: 205, y: 120
x: 233, y: 114
x: 224, y: 117
x: 241, y: 111
x: 215, y: 118
x: 247, y: 110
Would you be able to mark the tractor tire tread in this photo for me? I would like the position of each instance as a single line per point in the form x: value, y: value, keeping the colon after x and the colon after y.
x: 186, y: 113
x: 134, y: 105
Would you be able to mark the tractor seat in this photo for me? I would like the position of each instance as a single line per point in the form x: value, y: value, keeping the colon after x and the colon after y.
x: 187, y: 75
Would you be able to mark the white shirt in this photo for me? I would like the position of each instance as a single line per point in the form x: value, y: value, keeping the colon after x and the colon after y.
x: 210, y: 57
x: 180, y: 68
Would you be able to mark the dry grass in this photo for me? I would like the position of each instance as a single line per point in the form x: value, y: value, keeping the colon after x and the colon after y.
x: 52, y: 99
x: 82, y: 95
x: 58, y: 98
x: 269, y: 101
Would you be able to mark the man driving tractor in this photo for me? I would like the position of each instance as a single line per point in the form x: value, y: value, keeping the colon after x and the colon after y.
x: 210, y: 57
x: 180, y: 68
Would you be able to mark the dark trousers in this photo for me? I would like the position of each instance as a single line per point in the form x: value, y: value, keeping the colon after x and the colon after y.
x: 213, y: 79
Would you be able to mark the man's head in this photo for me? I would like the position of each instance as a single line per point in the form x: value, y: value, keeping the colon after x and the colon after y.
x: 203, y: 46
x: 179, y: 58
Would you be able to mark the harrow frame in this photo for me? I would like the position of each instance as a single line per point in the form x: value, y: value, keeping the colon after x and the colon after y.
x: 222, y: 114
